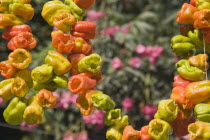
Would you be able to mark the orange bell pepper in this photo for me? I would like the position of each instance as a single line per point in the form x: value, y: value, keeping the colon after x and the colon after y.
x: 86, y: 4
x: 144, y: 135
x: 180, y: 82
x: 201, y: 19
x: 193, y: 3
x: 82, y: 46
x: 130, y: 134
x: 7, y: 70
x: 200, y: 61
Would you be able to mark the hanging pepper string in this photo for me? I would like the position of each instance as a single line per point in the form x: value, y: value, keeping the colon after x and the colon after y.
x: 204, y: 51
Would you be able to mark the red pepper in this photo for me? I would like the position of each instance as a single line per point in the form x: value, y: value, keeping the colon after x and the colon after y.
x: 82, y: 46
x: 7, y: 70
x: 86, y: 4
x: 201, y: 19
x: 180, y: 82
x: 129, y: 133
x: 193, y: 3
x: 144, y: 135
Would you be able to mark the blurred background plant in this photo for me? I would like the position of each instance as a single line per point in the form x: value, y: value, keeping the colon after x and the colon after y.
x: 133, y: 38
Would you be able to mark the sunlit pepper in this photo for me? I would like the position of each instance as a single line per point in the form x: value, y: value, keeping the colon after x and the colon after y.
x: 24, y: 40
x: 201, y: 19
x: 90, y: 63
x: 198, y: 92
x: 7, y: 70
x: 86, y: 4
x: 189, y: 72
x: 64, y: 21
x: 13, y: 114
x: 51, y: 86
x: 84, y: 29
x: 82, y: 46
x: 182, y: 46
x: 76, y: 11
x: 199, y: 130
x: 102, y: 101
x: 60, y: 81
x: 4, y: 6
x: 178, y: 95
x: 202, y: 4
x: 5, y: 89
x: 144, y: 135
x: 33, y: 113
x: 13, y: 31
x: 7, y: 20
x: 180, y: 82
x: 167, y: 110
x: 112, y: 117
x: 55, y: 32
x: 63, y: 43
x: 42, y: 73
x: 185, y: 15
x: 130, y: 134
x: 159, y: 129
x: 85, y: 104
x: 202, y: 112
x: 46, y: 99
x: 52, y: 9
x: 200, y: 61
x: 25, y: 74
x: 206, y: 34
x: 19, y: 87
x: 20, y: 58
x: 115, y: 132
x: 60, y: 64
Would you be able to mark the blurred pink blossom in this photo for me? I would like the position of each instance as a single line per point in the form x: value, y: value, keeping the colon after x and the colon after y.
x: 116, y: 63
x: 127, y: 104
x: 94, y: 15
x: 149, y: 112
x: 135, y: 62
x: 110, y: 30
x: 125, y: 29
x: 1, y: 100
x: 83, y: 135
x: 24, y: 125
x: 140, y: 49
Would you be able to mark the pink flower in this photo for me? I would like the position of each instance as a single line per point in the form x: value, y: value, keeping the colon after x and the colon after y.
x: 110, y: 30
x: 149, y: 112
x: 24, y: 125
x: 127, y: 104
x: 152, y: 59
x: 94, y: 15
x: 116, y: 63
x: 157, y: 51
x: 149, y: 50
x: 82, y: 136
x: 125, y: 29
x: 1, y: 100
x: 140, y: 49
x: 69, y: 136
x: 135, y: 62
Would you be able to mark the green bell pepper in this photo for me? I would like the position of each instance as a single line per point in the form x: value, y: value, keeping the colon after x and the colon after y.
x: 112, y: 117
x: 61, y: 81
x: 202, y: 4
x: 202, y: 112
x: 51, y: 86
x: 5, y: 89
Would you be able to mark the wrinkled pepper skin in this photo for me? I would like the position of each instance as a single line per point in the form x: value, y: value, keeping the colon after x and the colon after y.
x: 112, y: 117
x: 24, y: 40
x: 7, y: 20
x: 144, y: 135
x: 79, y: 84
x: 13, y: 114
x: 61, y: 81
x: 182, y: 46
x: 200, y: 61
x: 5, y: 89
x: 185, y: 28
x: 13, y: 31
x: 60, y: 63
x: 193, y: 3
x: 198, y: 92
x: 26, y: 1
x: 20, y: 58
x: 4, y: 7
x: 185, y: 15
x: 7, y: 70
x: 76, y: 11
x: 102, y: 101
x: 51, y: 86
x: 115, y: 132
x: 82, y: 46
x: 25, y: 74
x: 33, y: 113
x: 46, y: 99
x: 63, y: 43
x: 180, y: 124
x: 130, y: 134
x: 159, y: 129
x: 19, y: 87
x: 202, y: 4
x: 42, y: 73
x: 167, y: 110
x: 52, y: 9
x: 86, y: 4
x: 90, y: 63
x: 206, y: 34
x: 180, y: 82
x: 199, y: 130
x: 202, y: 112
x: 189, y: 72
x: 178, y: 95
x: 84, y: 103
x: 201, y: 19
x: 84, y: 29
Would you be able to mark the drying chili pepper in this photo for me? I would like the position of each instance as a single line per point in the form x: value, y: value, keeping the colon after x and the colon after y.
x: 46, y: 99
x: 60, y: 81
x: 82, y: 46
x: 7, y: 20
x: 182, y: 46
x: 202, y: 4
x: 5, y: 89
x: 102, y: 101
x: 193, y: 3
x: 185, y: 15
x: 86, y: 4
x: 198, y: 92
x: 76, y: 11
x: 200, y: 61
x: 24, y: 40
x: 144, y: 135
x: 112, y: 117
x: 201, y: 19
x: 199, y: 130
x: 63, y: 43
x: 202, y: 112
x: 84, y: 29
x: 20, y: 58
x: 19, y: 87
x: 60, y: 63
x: 79, y: 84
x: 130, y: 134
x: 7, y: 70
x: 42, y: 73
x: 206, y: 34
x: 85, y: 104
x: 33, y: 113
x: 51, y: 86
x: 159, y: 129
x: 167, y: 110
x: 13, y: 114
x: 189, y: 72
x: 180, y: 82
x: 116, y: 131
x: 25, y: 74
x: 13, y: 31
